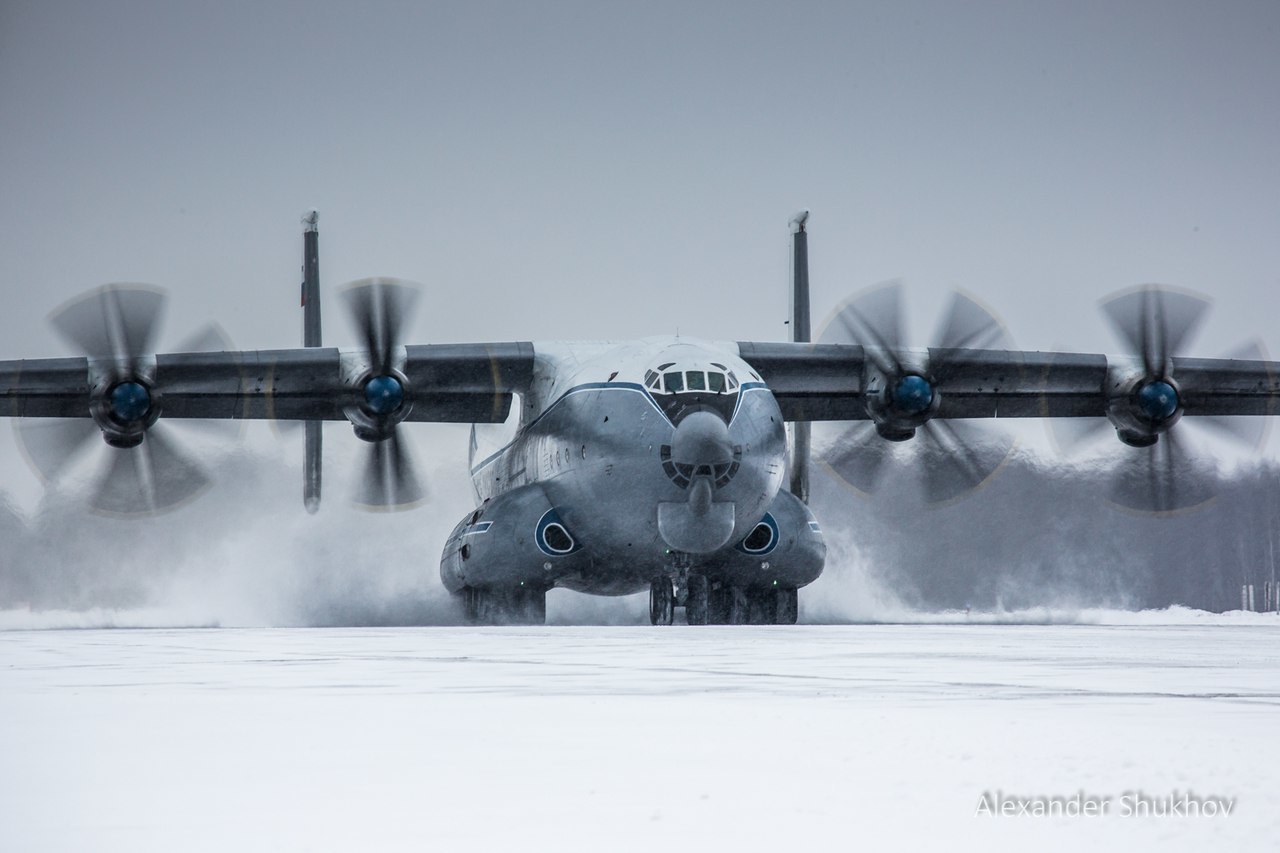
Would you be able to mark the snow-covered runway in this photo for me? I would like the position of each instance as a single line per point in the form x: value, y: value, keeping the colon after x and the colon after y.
x: 591, y: 738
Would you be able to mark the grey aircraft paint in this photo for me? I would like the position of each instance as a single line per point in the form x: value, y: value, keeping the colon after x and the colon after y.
x: 645, y: 480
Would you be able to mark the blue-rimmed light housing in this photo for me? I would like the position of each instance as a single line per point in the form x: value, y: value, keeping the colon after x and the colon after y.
x: 129, y: 402
x: 383, y: 395
x: 911, y: 395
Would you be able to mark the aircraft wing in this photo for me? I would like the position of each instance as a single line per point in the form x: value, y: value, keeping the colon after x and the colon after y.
x: 826, y: 382
x: 447, y: 383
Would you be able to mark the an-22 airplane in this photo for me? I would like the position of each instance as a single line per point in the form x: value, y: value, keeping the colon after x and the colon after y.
x: 655, y: 464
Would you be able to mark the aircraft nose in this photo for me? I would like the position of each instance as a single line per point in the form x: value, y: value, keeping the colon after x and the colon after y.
x: 702, y: 439
x: 701, y: 450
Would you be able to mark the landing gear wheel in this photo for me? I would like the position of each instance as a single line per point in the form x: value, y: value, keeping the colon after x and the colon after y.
x: 786, y: 606
x: 697, y: 600
x: 718, y: 599
x: 760, y: 606
x: 519, y: 605
x: 739, y: 606
x: 772, y: 606
x: 662, y: 602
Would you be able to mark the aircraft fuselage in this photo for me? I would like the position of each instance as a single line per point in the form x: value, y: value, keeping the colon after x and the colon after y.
x: 631, y: 461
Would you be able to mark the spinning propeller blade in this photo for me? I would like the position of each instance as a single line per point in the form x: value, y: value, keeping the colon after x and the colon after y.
x: 379, y: 308
x: 115, y: 326
x: 1155, y: 324
x: 51, y: 444
x: 872, y: 319
x: 1160, y: 479
x: 1248, y: 432
x: 208, y: 338
x: 389, y: 480
x: 959, y: 457
x: 954, y: 457
x: 858, y: 456
x: 117, y: 321
x: 149, y: 478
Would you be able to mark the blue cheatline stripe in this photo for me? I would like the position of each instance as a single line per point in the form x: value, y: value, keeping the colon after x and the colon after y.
x: 482, y: 527
x: 609, y: 386
x: 744, y: 387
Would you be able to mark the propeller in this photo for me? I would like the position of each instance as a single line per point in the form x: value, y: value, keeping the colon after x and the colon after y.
x: 145, y: 470
x: 379, y: 308
x: 1162, y: 475
x: 903, y: 393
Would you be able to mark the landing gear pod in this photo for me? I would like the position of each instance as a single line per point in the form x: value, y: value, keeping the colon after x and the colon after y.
x: 501, y: 559
x: 757, y: 580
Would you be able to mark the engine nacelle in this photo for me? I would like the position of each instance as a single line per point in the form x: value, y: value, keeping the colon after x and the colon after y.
x: 124, y: 409
x: 383, y: 400
x: 515, y: 539
x: 785, y: 548
x: 899, y: 402
x: 1142, y: 407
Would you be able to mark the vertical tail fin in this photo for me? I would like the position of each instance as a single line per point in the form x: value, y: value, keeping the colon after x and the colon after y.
x: 311, y: 338
x: 801, y: 333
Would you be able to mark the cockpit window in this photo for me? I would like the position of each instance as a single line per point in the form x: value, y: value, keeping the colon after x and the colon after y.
x: 715, y: 379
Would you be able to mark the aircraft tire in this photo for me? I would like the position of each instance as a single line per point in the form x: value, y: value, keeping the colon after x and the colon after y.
x: 739, y: 606
x: 786, y: 606
x: 761, y: 607
x: 718, y: 599
x: 697, y: 603
x: 505, y: 606
x: 662, y: 601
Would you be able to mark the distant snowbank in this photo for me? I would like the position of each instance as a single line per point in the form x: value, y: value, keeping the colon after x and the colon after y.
x: 24, y: 619
x: 1175, y: 615
x: 609, y: 612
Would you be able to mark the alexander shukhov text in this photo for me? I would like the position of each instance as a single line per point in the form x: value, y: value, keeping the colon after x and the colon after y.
x: 1128, y: 804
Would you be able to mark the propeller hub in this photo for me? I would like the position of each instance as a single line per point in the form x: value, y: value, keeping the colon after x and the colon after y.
x: 1157, y: 401
x: 911, y: 395
x: 129, y: 402
x: 383, y: 395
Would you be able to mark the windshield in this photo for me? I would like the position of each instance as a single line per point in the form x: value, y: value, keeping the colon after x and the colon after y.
x: 682, y: 381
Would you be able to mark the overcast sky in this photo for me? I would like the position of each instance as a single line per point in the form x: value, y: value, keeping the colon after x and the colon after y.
x: 609, y: 170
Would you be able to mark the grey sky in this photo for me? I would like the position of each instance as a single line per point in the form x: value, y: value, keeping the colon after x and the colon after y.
x: 591, y: 170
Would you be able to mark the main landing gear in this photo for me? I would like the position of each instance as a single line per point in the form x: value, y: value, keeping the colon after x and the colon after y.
x: 708, y: 602
x: 662, y: 601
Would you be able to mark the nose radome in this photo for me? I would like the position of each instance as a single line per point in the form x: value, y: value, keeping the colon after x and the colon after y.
x: 702, y: 438
x: 699, y: 524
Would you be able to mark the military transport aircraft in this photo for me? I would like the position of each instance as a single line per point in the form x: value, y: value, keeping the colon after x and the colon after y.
x: 663, y: 463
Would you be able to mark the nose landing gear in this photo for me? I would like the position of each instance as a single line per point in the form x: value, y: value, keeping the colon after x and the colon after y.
x: 708, y: 603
